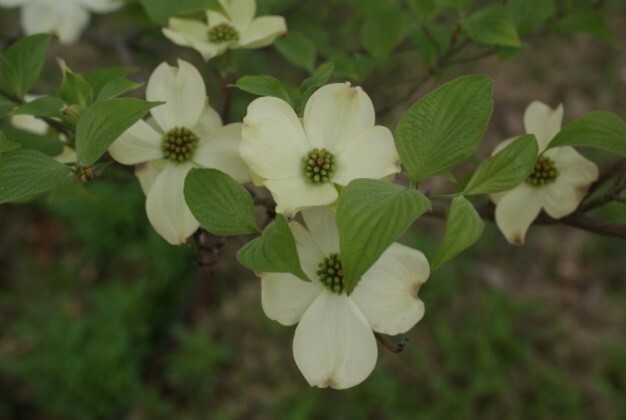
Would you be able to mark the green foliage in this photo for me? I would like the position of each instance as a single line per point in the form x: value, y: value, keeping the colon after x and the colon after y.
x: 598, y: 129
x: 28, y: 172
x: 264, y: 86
x: 589, y: 21
x: 274, y: 251
x: 48, y: 145
x: 6, y: 106
x: 506, y: 169
x: 463, y: 228
x: 298, y: 49
x: 6, y: 145
x: 23, y: 62
x: 160, y: 11
x: 219, y: 203
x: 530, y: 14
x: 319, y: 78
x: 111, y: 82
x: 100, y: 124
x: 444, y: 127
x: 74, y: 88
x: 45, y: 106
x: 383, y: 31
x: 371, y: 214
x: 492, y: 25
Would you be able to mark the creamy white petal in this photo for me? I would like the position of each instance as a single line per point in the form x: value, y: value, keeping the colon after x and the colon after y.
x: 183, y: 91
x: 67, y: 155
x: 192, y: 33
x: 562, y: 198
x: 370, y: 154
x: 334, y: 344
x: 543, y: 121
x: 29, y: 123
x: 220, y: 150
x: 101, y: 6
x: 574, y: 168
x: 215, y: 18
x: 387, y: 293
x: 296, y: 193
x: 63, y: 19
x: 517, y: 209
x: 140, y: 143
x: 335, y: 114
x: 166, y: 207
x: 273, y: 141
x: 309, y: 252
x: 209, y: 122
x: 263, y: 31
x: 241, y: 12
x: 284, y: 297
x: 321, y: 222
x: 146, y: 173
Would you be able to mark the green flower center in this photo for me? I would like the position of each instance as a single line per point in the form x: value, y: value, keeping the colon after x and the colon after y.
x: 179, y: 144
x: 330, y: 273
x: 319, y: 166
x: 223, y: 33
x: 544, y: 172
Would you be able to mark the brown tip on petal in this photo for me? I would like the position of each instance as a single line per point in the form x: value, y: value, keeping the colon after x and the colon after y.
x: 581, y: 192
x: 517, y: 239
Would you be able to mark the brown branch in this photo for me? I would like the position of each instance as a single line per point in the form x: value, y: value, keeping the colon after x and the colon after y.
x: 394, y: 348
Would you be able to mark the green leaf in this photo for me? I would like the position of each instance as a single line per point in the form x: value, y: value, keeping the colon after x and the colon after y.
x: 6, y: 145
x: 74, y: 88
x: 6, y: 106
x: 45, y: 106
x: 297, y: 49
x: 311, y: 84
x: 160, y: 11
x: 458, y: 5
x: 506, y: 169
x: 219, y: 203
x: 264, y: 86
x: 492, y: 25
x: 23, y: 62
x: 589, y: 21
x: 371, y: 214
x: 111, y: 82
x: 100, y: 124
x: 115, y: 88
x: 530, y: 14
x: 274, y: 251
x: 381, y: 33
x: 50, y: 146
x: 444, y: 127
x: 28, y: 172
x: 463, y: 229
x: 599, y: 129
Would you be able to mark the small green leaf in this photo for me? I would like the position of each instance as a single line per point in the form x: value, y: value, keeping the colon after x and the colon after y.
x: 311, y: 84
x: 371, y: 214
x: 45, y: 106
x: 589, y: 21
x: 111, y: 82
x: 599, y: 129
x: 74, y: 88
x: 160, y: 11
x: 506, y: 169
x: 28, y: 172
x: 264, y: 86
x: 530, y: 14
x: 492, y: 25
x: 28, y: 140
x: 115, y: 88
x: 219, y: 203
x: 100, y: 124
x: 297, y: 49
x: 444, y: 127
x: 6, y: 106
x: 6, y: 145
x: 381, y: 33
x: 463, y: 229
x: 274, y: 251
x: 23, y: 62
x: 458, y: 5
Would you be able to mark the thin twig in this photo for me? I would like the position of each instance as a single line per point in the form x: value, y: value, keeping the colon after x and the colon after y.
x: 394, y: 348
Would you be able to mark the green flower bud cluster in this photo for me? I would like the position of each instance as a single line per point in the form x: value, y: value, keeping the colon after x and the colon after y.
x: 223, y: 33
x: 330, y: 273
x: 179, y: 144
x: 319, y: 166
x: 544, y: 172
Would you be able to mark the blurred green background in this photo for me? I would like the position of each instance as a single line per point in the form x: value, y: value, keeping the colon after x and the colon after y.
x: 101, y: 318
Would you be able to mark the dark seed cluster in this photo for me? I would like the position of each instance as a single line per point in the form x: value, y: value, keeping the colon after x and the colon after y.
x: 330, y: 273
x: 319, y: 166
x: 223, y: 33
x: 179, y: 144
x: 543, y: 173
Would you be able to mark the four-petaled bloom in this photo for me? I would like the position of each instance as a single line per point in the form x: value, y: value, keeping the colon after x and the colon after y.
x: 236, y: 28
x: 301, y: 161
x: 559, y: 181
x: 183, y: 133
x: 65, y: 18
x: 334, y: 343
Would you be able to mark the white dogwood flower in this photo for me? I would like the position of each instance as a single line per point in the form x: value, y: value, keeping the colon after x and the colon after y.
x: 235, y: 28
x: 65, y: 18
x: 559, y: 181
x: 334, y: 343
x: 302, y: 161
x: 183, y: 133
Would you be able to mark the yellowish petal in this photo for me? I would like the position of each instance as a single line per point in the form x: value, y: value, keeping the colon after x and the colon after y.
x: 140, y: 143
x: 543, y: 121
x: 296, y: 193
x: 285, y: 298
x: 220, y: 150
x: 262, y: 32
x: 516, y: 211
